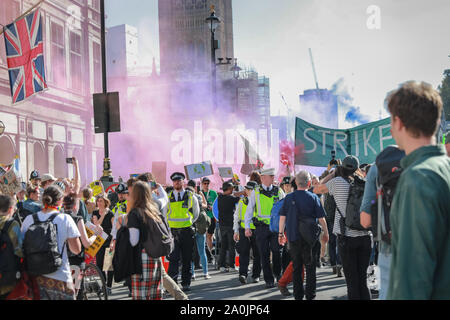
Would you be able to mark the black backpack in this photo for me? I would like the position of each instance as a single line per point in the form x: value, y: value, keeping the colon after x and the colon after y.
x: 41, y: 247
x: 160, y: 241
x: 389, y: 171
x: 9, y: 262
x: 329, y: 204
x: 355, y: 196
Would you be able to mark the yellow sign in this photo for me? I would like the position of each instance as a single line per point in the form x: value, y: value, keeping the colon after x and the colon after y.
x: 97, y: 187
x: 98, y: 243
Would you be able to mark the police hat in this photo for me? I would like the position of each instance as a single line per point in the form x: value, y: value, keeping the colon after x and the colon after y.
x: 177, y: 176
x: 268, y: 172
x: 121, y: 188
x: 35, y: 175
x: 191, y: 183
x: 286, y: 180
x: 251, y: 185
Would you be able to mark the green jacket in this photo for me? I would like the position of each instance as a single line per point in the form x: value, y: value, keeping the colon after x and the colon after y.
x: 210, y: 196
x: 420, y: 222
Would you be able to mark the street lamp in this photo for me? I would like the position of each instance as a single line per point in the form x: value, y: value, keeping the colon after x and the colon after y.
x: 2, y: 128
x: 236, y: 69
x: 213, y: 22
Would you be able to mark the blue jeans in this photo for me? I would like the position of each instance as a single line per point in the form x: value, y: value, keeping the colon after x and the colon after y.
x: 201, y: 241
x: 384, y: 263
x: 333, y: 250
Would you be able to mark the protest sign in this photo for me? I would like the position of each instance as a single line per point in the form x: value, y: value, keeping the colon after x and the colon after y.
x: 226, y: 172
x: 159, y: 171
x: 198, y: 170
x: 365, y: 142
x: 99, y: 241
x: 96, y: 187
x: 10, y: 182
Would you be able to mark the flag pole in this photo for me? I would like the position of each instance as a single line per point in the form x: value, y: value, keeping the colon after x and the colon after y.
x: 23, y: 15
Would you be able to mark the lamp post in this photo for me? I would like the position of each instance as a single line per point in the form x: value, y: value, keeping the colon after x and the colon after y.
x: 213, y: 22
x: 236, y: 70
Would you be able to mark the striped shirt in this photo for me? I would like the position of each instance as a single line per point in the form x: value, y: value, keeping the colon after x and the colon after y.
x: 338, y: 188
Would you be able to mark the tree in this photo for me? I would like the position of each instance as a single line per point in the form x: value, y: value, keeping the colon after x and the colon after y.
x: 444, y: 90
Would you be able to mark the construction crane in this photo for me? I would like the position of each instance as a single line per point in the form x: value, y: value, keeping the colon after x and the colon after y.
x: 314, y: 69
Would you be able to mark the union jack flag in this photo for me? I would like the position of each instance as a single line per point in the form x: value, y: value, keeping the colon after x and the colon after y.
x: 25, y: 56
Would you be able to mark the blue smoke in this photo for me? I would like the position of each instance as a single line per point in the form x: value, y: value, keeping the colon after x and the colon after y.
x: 355, y: 116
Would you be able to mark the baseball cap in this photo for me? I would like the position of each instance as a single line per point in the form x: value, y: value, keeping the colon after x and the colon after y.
x: 350, y: 163
x: 206, y: 179
x: 191, y: 183
x: 48, y: 177
x: 227, y: 185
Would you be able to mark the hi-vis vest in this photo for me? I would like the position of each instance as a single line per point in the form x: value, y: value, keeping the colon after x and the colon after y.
x: 264, y: 201
x: 120, y: 208
x: 178, y: 214
x: 243, y: 208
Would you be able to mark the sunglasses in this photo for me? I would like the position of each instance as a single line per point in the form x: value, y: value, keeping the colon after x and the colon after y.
x: 205, y: 182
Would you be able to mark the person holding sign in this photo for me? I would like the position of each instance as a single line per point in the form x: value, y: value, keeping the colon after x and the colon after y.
x: 183, y: 210
x: 104, y: 217
x: 210, y: 196
x: 263, y: 199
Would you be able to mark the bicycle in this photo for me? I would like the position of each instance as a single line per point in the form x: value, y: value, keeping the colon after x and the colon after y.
x: 89, y: 281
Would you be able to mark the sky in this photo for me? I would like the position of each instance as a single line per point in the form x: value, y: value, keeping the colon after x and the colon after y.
x: 411, y: 43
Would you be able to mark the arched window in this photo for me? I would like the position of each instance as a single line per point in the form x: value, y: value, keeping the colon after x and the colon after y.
x: 40, y: 158
x: 60, y: 162
x: 7, y: 150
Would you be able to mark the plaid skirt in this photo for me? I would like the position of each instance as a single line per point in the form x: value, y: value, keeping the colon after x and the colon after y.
x: 52, y: 289
x: 147, y: 286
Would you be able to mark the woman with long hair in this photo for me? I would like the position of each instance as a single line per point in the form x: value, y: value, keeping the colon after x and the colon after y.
x: 145, y: 286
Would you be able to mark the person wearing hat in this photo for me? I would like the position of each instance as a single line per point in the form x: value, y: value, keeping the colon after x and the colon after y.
x: 210, y: 196
x: 120, y: 209
x: 286, y: 185
x: 226, y: 206
x: 354, y: 245
x: 183, y: 210
x: 245, y: 244
x: 35, y: 178
x: 262, y: 200
x: 47, y: 180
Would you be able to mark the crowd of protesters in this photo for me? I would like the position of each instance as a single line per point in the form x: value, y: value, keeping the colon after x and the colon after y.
x: 211, y: 227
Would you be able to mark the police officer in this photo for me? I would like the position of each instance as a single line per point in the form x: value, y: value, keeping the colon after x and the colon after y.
x: 35, y: 180
x: 120, y: 208
x: 183, y: 210
x: 244, y: 243
x: 262, y: 200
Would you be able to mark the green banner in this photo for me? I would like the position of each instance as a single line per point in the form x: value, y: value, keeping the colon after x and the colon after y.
x: 365, y: 142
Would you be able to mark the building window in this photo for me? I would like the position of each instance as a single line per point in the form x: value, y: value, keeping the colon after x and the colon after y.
x: 97, y: 61
x: 22, y: 126
x: 75, y: 61
x: 96, y: 4
x: 30, y: 128
x: 58, y: 55
x: 9, y: 11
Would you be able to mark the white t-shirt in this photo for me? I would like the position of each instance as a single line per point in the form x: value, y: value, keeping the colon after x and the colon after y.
x: 66, y: 229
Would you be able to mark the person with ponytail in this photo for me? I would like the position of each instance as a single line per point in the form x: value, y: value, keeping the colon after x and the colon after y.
x: 59, y: 284
x: 145, y: 286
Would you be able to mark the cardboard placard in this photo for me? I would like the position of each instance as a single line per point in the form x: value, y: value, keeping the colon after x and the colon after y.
x: 199, y: 170
x: 96, y: 187
x: 159, y: 171
x: 226, y: 172
x: 10, y: 183
x: 101, y: 238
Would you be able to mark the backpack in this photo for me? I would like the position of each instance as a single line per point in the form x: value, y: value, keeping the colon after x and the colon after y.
x: 76, y: 259
x: 355, y: 196
x: 203, y: 222
x: 159, y: 242
x: 275, y: 216
x: 389, y: 171
x: 9, y: 262
x: 329, y: 204
x: 41, y: 247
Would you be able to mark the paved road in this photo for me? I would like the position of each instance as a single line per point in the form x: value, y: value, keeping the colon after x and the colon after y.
x: 226, y: 286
